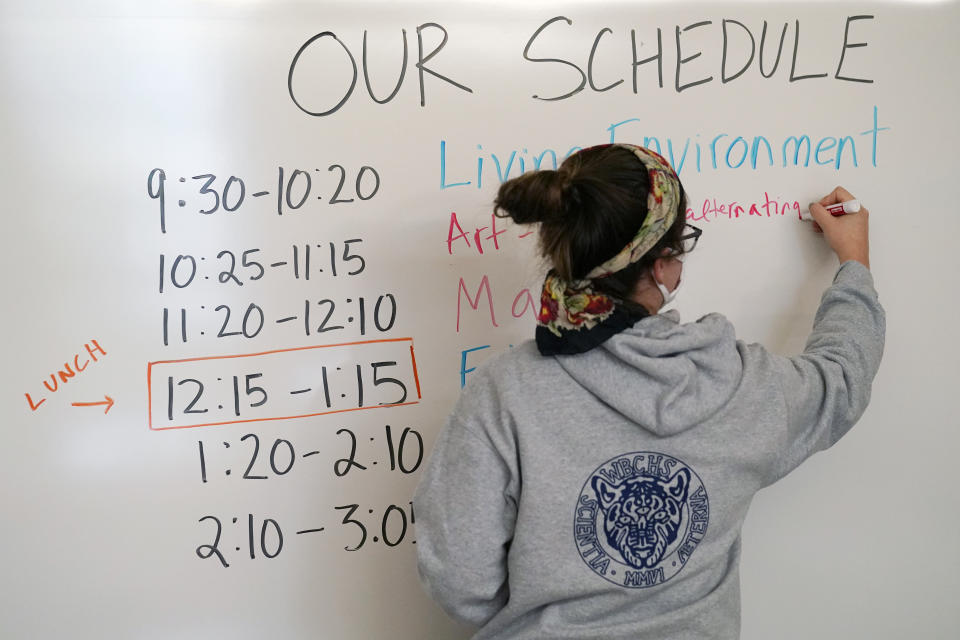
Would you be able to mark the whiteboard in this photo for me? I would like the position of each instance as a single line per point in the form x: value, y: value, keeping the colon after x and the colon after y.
x: 281, y: 306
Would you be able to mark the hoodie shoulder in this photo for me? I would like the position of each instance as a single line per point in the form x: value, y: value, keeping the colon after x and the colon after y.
x: 719, y: 325
x: 661, y: 374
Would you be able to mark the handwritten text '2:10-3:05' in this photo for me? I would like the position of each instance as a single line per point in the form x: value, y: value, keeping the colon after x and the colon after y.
x: 264, y: 537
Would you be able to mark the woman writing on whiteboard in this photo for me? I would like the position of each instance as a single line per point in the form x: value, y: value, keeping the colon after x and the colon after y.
x: 593, y: 483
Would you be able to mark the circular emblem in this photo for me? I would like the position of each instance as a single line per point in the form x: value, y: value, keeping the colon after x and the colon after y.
x: 639, y: 518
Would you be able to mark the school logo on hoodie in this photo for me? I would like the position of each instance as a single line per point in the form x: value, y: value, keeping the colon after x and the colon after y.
x: 639, y: 518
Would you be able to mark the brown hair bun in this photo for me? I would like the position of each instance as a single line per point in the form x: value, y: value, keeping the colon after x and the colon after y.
x: 589, y: 210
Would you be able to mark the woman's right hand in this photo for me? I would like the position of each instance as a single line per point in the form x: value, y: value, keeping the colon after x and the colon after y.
x: 847, y: 235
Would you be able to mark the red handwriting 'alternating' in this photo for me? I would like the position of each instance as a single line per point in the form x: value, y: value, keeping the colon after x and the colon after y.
x: 713, y: 209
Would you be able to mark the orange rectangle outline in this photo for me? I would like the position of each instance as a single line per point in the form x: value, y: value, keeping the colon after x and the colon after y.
x: 150, y: 365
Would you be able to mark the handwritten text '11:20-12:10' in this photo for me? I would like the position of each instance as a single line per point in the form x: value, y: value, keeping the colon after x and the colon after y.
x: 317, y: 317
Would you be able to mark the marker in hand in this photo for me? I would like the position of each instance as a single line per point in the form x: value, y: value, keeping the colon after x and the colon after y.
x: 838, y: 209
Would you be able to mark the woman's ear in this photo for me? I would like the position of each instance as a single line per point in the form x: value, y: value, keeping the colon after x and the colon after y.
x: 659, y: 270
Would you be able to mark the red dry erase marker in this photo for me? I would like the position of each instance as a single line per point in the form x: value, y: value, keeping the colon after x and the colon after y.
x: 838, y: 209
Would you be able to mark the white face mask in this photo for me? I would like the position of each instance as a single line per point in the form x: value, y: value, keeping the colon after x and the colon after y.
x: 668, y: 296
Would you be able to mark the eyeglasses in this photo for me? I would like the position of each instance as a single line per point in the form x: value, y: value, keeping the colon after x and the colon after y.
x: 688, y: 240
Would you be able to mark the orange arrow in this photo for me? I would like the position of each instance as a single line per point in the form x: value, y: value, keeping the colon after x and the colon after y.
x: 108, y: 402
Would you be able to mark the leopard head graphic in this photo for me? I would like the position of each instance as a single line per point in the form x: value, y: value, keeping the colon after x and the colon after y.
x: 642, y: 515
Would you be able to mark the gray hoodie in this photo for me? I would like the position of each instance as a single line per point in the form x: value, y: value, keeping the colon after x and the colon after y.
x: 602, y: 495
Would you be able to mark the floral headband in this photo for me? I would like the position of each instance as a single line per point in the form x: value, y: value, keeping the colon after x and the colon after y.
x: 573, y: 316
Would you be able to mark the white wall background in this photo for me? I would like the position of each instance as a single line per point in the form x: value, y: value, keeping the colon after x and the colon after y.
x: 102, y: 514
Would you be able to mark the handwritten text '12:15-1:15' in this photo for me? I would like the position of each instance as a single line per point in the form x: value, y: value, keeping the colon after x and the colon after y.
x: 283, y: 384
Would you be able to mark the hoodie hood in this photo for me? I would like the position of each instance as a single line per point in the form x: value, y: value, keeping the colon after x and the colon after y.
x: 687, y: 371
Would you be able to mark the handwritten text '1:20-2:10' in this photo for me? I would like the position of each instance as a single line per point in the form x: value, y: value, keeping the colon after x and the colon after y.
x: 400, y: 449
